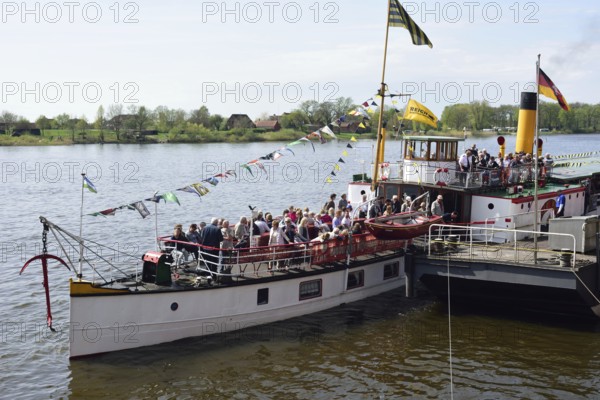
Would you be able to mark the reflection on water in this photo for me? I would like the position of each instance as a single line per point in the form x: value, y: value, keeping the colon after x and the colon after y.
x: 384, y: 347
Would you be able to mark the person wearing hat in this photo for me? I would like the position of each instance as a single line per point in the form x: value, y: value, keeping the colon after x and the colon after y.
x: 437, y: 207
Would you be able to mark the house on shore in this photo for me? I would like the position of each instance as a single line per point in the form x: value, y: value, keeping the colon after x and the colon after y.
x: 269, y: 126
x: 239, y: 121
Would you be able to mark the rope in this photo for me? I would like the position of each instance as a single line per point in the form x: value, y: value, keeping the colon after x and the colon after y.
x: 450, y: 334
x: 585, y: 286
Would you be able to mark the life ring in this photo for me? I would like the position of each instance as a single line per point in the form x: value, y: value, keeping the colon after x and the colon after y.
x: 442, y: 177
x: 385, y: 171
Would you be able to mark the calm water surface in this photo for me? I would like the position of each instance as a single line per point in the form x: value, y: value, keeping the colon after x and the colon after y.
x: 386, y: 347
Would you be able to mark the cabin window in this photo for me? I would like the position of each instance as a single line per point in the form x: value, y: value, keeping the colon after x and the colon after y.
x: 491, y: 206
x: 433, y: 151
x: 262, y: 296
x: 391, y: 270
x: 355, y: 279
x: 311, y: 289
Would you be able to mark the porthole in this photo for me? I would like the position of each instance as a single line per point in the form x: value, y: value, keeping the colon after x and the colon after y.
x: 174, y: 306
x: 491, y: 206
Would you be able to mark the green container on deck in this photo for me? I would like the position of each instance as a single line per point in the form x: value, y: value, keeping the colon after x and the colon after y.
x: 156, y: 270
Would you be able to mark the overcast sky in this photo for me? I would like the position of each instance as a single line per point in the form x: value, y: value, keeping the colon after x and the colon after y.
x: 269, y: 56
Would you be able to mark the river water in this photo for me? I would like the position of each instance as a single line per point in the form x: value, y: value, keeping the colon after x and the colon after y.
x: 386, y: 347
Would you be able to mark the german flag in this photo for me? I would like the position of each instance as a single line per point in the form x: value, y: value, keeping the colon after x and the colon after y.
x: 549, y: 89
x: 400, y: 18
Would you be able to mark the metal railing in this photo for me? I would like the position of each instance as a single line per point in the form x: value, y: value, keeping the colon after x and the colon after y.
x: 470, y: 243
x: 264, y: 260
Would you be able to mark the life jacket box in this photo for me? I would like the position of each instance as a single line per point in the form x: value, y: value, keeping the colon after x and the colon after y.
x: 155, y: 269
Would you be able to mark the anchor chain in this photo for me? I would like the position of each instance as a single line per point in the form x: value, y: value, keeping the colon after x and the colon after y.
x: 45, y: 239
x: 44, y: 257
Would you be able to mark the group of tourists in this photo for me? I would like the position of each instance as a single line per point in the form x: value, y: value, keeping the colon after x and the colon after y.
x: 294, y: 225
x: 508, y: 169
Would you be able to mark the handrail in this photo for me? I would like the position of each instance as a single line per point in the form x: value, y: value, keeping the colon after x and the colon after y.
x: 438, y: 229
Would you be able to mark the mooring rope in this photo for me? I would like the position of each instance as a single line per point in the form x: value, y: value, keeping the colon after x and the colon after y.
x: 450, y: 334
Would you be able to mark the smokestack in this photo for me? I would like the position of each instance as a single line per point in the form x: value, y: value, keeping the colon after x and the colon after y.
x: 526, y: 129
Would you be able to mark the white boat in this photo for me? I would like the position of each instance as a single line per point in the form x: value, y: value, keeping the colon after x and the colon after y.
x: 169, y: 299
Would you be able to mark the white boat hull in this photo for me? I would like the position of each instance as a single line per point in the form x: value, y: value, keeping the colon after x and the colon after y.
x: 106, y: 323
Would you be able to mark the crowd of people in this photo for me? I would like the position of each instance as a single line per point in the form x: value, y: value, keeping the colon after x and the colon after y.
x: 501, y: 170
x: 293, y: 225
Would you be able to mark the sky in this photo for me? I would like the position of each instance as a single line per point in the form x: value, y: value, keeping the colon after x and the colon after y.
x: 267, y: 57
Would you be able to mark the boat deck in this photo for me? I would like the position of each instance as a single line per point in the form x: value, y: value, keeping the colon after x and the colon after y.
x: 522, y: 253
x: 249, y: 266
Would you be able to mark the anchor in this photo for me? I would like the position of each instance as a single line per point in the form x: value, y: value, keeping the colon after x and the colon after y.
x: 45, y: 257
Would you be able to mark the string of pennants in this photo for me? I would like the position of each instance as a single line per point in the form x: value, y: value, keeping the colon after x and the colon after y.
x: 337, y: 166
x: 200, y: 189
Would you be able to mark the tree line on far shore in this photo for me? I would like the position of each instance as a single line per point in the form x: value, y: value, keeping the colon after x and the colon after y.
x: 308, y: 116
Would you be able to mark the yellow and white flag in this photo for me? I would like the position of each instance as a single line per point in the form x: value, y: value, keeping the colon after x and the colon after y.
x: 416, y: 111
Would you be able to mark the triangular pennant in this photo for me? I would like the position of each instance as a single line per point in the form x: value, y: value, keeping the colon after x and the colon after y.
x: 248, y: 168
x: 349, y: 146
x: 345, y: 153
x: 353, y: 139
x: 342, y: 161
x: 170, y: 197
x: 328, y: 131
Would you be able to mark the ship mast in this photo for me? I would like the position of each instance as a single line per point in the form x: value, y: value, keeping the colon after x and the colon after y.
x: 536, y: 158
x: 380, y: 149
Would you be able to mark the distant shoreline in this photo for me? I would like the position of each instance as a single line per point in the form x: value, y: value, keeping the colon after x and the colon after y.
x: 64, y: 138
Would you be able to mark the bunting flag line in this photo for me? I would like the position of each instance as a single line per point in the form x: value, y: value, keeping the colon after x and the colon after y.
x: 89, y: 185
x: 400, y: 18
x: 200, y: 190
x: 549, y: 89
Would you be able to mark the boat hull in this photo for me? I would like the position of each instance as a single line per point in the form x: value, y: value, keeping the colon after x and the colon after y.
x: 385, y: 229
x: 111, y: 322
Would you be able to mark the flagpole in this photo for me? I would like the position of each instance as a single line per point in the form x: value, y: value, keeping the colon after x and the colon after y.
x: 380, y: 131
x: 80, y: 275
x: 536, y: 158
x: 156, y: 222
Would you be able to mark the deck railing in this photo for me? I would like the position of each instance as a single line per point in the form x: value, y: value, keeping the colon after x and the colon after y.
x: 431, y: 173
x: 267, y: 259
x: 470, y: 243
